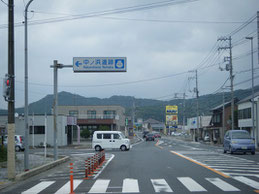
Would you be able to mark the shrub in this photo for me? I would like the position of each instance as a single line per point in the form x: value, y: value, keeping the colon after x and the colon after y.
x: 3, y: 154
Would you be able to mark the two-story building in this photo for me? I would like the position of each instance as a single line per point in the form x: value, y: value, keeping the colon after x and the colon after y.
x: 96, y: 117
x: 220, y: 125
x: 245, y: 114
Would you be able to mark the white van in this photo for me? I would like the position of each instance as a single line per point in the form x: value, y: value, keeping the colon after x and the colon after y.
x: 110, y: 139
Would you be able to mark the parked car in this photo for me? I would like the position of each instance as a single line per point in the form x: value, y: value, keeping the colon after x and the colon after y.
x: 19, y: 146
x: 238, y: 141
x: 150, y: 137
x: 207, y: 137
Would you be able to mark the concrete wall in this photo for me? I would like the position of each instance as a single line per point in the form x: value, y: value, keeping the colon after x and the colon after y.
x: 39, y: 120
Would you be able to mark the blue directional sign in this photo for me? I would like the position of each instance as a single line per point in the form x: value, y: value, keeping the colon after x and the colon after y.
x: 99, y: 64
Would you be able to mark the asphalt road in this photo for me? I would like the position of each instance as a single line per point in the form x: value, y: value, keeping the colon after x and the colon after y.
x: 168, y: 166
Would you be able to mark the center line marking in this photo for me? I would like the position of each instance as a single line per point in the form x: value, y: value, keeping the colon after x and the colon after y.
x: 201, y: 164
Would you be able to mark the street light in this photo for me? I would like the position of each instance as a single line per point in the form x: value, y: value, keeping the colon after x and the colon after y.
x: 252, y: 62
x: 26, y: 120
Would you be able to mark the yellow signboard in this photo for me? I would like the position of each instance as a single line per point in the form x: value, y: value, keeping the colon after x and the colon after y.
x: 171, y: 120
x: 171, y: 109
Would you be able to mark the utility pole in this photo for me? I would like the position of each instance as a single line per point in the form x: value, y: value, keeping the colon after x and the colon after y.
x: 197, y: 105
x: 26, y: 111
x: 183, y: 97
x: 11, y: 106
x: 252, y: 101
x: 223, y: 114
x: 133, y: 114
x: 229, y: 67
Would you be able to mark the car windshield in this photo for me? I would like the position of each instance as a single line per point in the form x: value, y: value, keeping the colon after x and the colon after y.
x: 240, y: 135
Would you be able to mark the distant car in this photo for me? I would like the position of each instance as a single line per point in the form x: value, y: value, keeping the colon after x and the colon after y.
x: 150, y: 137
x: 145, y: 133
x: 238, y: 141
x: 19, y: 146
x: 157, y: 135
x: 207, y: 137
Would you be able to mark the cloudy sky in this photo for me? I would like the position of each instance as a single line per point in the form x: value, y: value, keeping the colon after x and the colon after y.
x: 163, y: 40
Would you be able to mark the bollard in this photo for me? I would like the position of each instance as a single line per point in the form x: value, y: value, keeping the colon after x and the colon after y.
x: 71, y: 179
x: 92, y: 164
x: 89, y: 166
x: 86, y: 169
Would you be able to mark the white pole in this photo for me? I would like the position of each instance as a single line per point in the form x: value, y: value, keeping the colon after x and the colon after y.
x: 33, y: 130
x: 45, y: 139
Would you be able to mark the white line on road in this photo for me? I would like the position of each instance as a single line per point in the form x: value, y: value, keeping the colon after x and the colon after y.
x: 39, y: 187
x: 190, y: 184
x: 66, y: 187
x: 247, y: 181
x: 104, y: 166
x: 130, y: 186
x: 224, y: 186
x: 100, y: 186
x: 160, y: 185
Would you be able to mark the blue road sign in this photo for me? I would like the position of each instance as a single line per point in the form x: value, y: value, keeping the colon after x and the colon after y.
x: 99, y: 64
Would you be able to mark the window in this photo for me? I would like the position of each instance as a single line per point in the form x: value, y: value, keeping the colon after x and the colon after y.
x: 99, y: 136
x: 116, y: 136
x: 244, y: 113
x: 91, y: 114
x: 109, y: 114
x: 73, y: 113
x: 37, y: 130
x: 107, y: 136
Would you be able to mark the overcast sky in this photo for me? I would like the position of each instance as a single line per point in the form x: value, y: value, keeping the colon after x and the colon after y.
x: 163, y: 40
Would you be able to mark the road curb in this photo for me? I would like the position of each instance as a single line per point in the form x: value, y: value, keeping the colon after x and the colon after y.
x: 40, y: 169
x: 34, y: 171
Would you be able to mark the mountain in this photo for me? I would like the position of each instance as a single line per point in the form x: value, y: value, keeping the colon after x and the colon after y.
x: 144, y: 108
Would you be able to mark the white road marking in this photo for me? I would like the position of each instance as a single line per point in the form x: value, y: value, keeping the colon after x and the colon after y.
x: 104, y: 166
x: 100, y: 186
x: 160, y: 185
x: 224, y: 186
x: 130, y: 186
x: 39, y: 187
x: 190, y: 184
x: 247, y: 181
x: 66, y: 187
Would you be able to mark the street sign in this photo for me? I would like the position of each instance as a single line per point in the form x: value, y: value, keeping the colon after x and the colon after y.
x: 99, y: 64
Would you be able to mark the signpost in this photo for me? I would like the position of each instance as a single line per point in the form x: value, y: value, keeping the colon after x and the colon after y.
x: 85, y: 65
x: 99, y: 64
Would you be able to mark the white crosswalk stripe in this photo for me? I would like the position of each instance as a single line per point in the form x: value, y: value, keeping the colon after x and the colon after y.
x: 39, y: 187
x: 100, y: 186
x: 160, y: 185
x: 247, y: 181
x: 224, y: 186
x: 66, y: 187
x: 130, y: 186
x: 190, y: 184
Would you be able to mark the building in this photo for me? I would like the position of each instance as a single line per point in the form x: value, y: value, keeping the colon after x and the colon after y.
x: 245, y: 114
x: 153, y: 125
x: 41, y: 129
x: 220, y: 125
x: 204, y: 126
x: 96, y: 117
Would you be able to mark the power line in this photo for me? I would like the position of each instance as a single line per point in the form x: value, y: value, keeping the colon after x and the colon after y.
x: 106, y: 12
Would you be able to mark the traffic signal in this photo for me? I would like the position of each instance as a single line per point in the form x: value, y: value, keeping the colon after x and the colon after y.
x: 7, y: 88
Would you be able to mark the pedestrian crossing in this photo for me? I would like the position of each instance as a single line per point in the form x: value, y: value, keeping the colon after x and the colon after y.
x: 226, y: 164
x: 130, y: 185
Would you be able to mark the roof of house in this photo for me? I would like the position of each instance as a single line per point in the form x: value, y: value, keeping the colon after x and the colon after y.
x: 157, y: 126
x: 248, y: 98
x: 151, y: 121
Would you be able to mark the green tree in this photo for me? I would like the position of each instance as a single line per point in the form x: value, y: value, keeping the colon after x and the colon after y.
x: 103, y: 128
x: 85, y: 133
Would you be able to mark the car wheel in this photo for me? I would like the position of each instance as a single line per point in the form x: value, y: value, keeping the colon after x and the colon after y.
x: 253, y: 153
x: 225, y: 151
x: 98, y: 148
x: 123, y: 148
x: 17, y: 148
